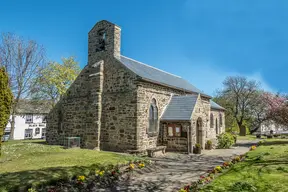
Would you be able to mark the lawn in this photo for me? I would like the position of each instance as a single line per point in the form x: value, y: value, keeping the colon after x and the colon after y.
x: 264, y: 170
x: 34, y: 162
x: 247, y: 137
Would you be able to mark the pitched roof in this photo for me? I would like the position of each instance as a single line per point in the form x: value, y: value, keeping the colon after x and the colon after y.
x: 180, y: 108
x: 155, y: 75
x: 35, y: 107
x: 216, y: 106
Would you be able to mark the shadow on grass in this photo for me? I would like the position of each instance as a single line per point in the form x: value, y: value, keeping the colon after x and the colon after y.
x: 42, y: 142
x: 20, y: 181
x: 246, y: 143
x: 280, y: 142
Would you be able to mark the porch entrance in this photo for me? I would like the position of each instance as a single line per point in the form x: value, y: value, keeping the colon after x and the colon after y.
x: 199, y: 132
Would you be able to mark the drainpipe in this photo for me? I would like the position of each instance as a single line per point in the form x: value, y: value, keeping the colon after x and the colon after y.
x: 188, y: 139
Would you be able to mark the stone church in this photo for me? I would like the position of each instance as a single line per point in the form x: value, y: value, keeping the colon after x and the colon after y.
x: 119, y: 104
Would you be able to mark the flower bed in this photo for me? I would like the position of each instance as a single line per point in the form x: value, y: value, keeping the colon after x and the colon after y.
x: 98, y: 178
x: 211, y: 174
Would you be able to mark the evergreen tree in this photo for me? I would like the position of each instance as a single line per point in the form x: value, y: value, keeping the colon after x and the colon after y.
x: 6, y: 99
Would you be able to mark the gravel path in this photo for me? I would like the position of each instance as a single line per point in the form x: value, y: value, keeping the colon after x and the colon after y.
x: 174, y: 170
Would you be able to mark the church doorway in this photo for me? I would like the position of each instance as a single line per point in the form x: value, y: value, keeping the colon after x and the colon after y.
x: 199, y: 131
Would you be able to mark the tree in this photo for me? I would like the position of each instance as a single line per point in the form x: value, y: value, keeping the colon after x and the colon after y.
x: 277, y: 106
x: 230, y: 122
x: 259, y: 111
x: 6, y: 99
x: 22, y: 59
x: 55, y: 79
x: 239, y: 94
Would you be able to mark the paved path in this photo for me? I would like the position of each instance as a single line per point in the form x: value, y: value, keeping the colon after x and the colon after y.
x: 174, y: 170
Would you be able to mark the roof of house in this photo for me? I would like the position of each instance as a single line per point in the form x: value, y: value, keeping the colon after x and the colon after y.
x: 158, y: 76
x: 180, y: 108
x: 35, y: 107
x: 216, y: 106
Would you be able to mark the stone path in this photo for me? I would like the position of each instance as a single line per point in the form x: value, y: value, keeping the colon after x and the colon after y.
x: 173, y: 171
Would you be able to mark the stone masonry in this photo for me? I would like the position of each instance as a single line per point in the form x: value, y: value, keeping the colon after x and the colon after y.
x: 107, y: 106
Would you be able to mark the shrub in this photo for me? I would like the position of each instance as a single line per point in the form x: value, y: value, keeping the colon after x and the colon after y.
x: 208, y: 144
x: 198, y: 145
x: 261, y: 142
x: 242, y: 186
x: 225, y: 140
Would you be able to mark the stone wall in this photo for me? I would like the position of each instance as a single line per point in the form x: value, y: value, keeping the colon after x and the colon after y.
x: 119, y: 108
x: 145, y: 93
x: 216, y: 117
x: 78, y: 112
x: 199, y: 113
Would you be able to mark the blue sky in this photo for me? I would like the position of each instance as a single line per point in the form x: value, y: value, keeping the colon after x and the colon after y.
x: 201, y: 41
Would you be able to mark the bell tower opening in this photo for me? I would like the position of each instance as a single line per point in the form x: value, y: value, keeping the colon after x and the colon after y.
x: 104, y: 37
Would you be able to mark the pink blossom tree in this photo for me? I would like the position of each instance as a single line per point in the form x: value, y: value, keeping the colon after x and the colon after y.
x: 277, y: 108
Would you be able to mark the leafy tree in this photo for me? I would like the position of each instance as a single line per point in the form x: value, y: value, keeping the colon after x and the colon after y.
x: 230, y: 122
x: 22, y: 60
x: 55, y: 79
x: 6, y: 99
x: 238, y: 96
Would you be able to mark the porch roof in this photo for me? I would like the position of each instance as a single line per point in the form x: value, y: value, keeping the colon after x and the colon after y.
x: 180, y: 108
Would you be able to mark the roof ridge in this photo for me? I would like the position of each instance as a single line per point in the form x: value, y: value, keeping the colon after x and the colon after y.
x: 188, y: 95
x: 151, y: 66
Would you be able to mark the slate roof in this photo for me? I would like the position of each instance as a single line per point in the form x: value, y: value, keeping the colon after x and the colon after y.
x: 155, y: 75
x: 215, y: 105
x: 180, y: 108
x: 35, y: 107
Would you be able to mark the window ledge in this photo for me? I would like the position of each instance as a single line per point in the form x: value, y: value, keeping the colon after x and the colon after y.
x: 152, y: 134
x: 176, y: 137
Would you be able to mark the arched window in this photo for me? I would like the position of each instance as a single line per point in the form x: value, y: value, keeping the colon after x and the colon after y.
x: 211, y: 121
x: 153, y: 117
x: 220, y: 120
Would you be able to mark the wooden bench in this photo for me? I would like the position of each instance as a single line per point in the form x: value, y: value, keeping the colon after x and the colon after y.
x: 156, y: 151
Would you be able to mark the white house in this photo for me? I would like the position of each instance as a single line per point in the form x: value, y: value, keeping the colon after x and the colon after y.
x: 30, y: 120
x: 268, y: 126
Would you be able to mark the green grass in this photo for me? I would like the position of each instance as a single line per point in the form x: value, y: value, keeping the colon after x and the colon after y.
x: 247, y: 137
x: 34, y: 162
x: 266, y: 169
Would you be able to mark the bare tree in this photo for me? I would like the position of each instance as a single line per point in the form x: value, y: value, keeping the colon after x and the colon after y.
x: 22, y: 59
x: 240, y: 93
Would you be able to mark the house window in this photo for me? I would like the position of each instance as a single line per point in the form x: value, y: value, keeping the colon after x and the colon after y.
x: 211, y: 121
x: 29, y: 118
x: 37, y: 131
x: 220, y: 120
x: 44, y: 119
x: 153, y: 117
x: 28, y: 133
x: 175, y: 130
x: 43, y: 132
